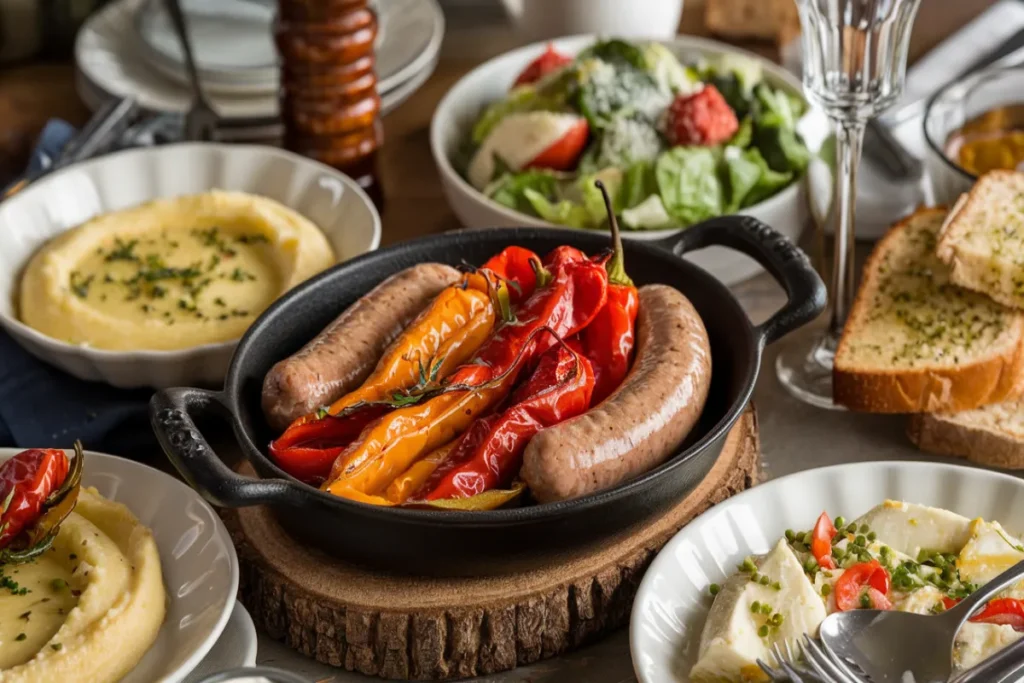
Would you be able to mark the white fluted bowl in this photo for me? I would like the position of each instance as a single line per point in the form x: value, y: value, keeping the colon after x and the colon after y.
x: 673, y: 600
x: 72, y: 196
x: 199, y: 564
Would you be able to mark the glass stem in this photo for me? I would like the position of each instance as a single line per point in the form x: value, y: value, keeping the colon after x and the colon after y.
x: 849, y: 138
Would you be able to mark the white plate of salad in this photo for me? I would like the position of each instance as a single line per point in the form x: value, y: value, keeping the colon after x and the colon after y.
x: 679, y: 131
x: 768, y: 565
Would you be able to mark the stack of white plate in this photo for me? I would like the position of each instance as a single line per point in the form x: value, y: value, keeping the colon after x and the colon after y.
x: 130, y: 48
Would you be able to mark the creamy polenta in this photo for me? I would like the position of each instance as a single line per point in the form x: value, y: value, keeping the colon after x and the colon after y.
x: 171, y: 273
x: 90, y: 607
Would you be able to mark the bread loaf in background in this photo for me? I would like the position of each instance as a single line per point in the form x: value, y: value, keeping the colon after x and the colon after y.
x: 762, y: 19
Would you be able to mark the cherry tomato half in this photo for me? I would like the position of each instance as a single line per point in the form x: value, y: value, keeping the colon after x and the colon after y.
x: 870, y: 576
x: 821, y: 541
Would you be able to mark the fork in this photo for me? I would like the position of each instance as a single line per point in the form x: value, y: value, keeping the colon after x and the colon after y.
x: 823, y: 666
x: 791, y: 671
x: 200, y: 120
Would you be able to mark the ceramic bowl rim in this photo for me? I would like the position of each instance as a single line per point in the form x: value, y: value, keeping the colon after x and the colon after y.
x: 16, y: 327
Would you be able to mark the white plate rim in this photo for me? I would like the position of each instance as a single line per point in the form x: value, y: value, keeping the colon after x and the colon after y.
x: 17, y: 327
x: 163, y: 91
x: 841, y: 471
x: 678, y: 43
x: 221, y: 530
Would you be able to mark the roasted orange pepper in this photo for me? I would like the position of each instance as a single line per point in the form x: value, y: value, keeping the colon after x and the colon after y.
x: 413, y: 478
x: 389, y: 446
x: 441, y: 338
x: 450, y: 331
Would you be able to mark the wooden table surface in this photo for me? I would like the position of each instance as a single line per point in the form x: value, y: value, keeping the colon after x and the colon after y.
x: 794, y: 436
x: 31, y: 94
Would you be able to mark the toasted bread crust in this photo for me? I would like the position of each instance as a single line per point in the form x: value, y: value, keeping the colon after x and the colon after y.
x: 971, y: 270
x: 936, y: 389
x: 937, y: 434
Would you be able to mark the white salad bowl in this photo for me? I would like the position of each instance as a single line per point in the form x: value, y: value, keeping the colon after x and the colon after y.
x: 673, y: 600
x: 117, y: 181
x: 786, y: 211
x: 198, y: 560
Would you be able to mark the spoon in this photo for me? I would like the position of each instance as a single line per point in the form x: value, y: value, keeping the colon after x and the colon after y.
x: 201, y: 120
x: 886, y: 645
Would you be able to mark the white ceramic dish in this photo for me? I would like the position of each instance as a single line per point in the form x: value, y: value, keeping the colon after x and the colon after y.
x: 541, y: 19
x: 200, y: 568
x: 69, y: 197
x: 950, y: 109
x: 236, y: 647
x: 112, y: 62
x: 787, y: 211
x: 673, y: 600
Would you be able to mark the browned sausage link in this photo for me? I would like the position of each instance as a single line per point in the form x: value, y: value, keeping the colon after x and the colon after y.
x: 338, y: 359
x: 644, y: 421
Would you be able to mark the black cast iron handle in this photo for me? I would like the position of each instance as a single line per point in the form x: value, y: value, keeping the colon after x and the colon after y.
x: 787, y: 263
x: 170, y: 413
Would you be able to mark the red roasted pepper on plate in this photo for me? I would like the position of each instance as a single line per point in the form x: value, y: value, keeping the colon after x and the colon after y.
x: 38, y: 489
x: 610, y: 338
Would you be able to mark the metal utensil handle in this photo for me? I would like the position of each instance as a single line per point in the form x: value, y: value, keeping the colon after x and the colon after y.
x: 786, y: 262
x: 170, y: 414
x: 993, y: 666
x: 181, y: 28
x: 969, y: 605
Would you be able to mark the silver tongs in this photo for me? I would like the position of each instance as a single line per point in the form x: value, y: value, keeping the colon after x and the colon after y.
x: 102, y: 131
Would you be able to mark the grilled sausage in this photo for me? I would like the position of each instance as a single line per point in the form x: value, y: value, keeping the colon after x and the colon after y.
x: 342, y: 356
x: 644, y: 421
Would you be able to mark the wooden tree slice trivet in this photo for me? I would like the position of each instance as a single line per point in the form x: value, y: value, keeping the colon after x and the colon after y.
x: 401, y: 627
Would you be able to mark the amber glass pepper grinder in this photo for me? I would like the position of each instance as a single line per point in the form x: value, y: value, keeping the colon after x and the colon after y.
x: 329, y: 102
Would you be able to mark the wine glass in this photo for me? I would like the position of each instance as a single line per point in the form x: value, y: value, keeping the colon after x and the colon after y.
x: 855, y: 59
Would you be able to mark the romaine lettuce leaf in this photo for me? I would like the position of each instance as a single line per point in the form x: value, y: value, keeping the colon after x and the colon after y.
x: 510, y: 188
x: 689, y: 184
x: 649, y: 214
x: 768, y: 183
x: 616, y: 52
x: 742, y: 174
x: 562, y: 212
x: 670, y: 75
x: 782, y: 149
x: 592, y: 198
x: 638, y: 183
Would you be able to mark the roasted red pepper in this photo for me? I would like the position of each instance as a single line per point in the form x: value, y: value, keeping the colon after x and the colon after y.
x: 307, y: 450
x: 309, y: 446
x: 520, y: 268
x: 610, y: 338
x: 390, y: 445
x: 38, y: 488
x: 489, y: 454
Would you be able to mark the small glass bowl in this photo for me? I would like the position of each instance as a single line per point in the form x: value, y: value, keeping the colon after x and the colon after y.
x: 953, y: 106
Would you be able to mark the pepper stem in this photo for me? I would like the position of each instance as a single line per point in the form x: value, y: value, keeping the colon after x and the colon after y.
x: 616, y: 265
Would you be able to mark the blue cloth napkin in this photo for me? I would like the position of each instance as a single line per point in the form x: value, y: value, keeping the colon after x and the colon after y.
x: 41, y: 406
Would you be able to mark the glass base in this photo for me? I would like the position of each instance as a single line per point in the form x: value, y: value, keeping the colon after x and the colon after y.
x: 804, y: 367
